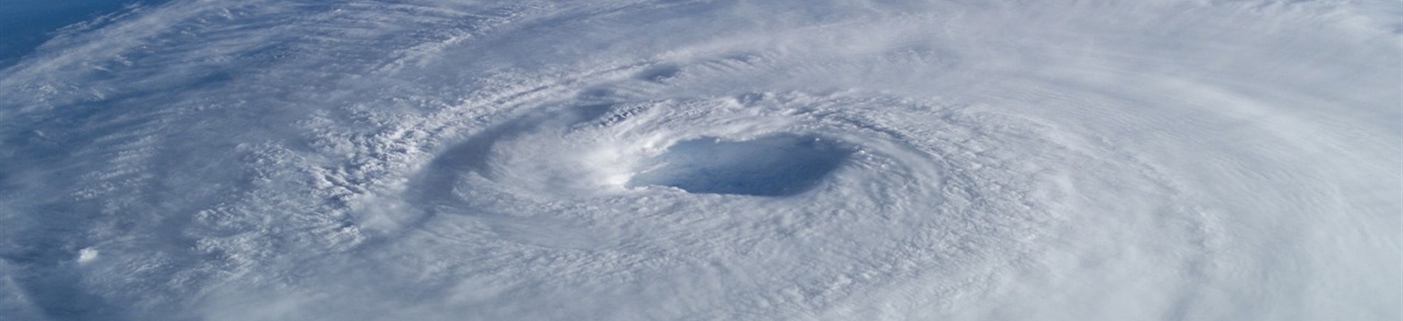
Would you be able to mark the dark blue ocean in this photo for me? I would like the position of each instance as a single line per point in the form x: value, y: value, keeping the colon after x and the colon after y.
x: 27, y: 24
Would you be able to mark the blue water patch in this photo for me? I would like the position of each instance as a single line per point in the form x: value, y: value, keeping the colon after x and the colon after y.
x: 27, y: 24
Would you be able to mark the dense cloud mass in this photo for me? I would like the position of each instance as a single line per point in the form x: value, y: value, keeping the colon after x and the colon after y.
x: 705, y: 160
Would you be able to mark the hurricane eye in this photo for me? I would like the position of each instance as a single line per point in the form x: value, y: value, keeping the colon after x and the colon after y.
x: 779, y: 165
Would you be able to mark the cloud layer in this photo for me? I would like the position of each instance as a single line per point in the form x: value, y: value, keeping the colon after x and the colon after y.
x: 707, y: 160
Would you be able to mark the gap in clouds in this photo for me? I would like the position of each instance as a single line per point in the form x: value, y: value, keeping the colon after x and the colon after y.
x: 26, y: 25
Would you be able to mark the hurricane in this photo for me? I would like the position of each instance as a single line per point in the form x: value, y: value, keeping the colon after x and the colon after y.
x: 702, y: 160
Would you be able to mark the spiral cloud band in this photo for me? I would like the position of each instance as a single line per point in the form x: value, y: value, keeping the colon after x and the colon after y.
x: 707, y: 160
